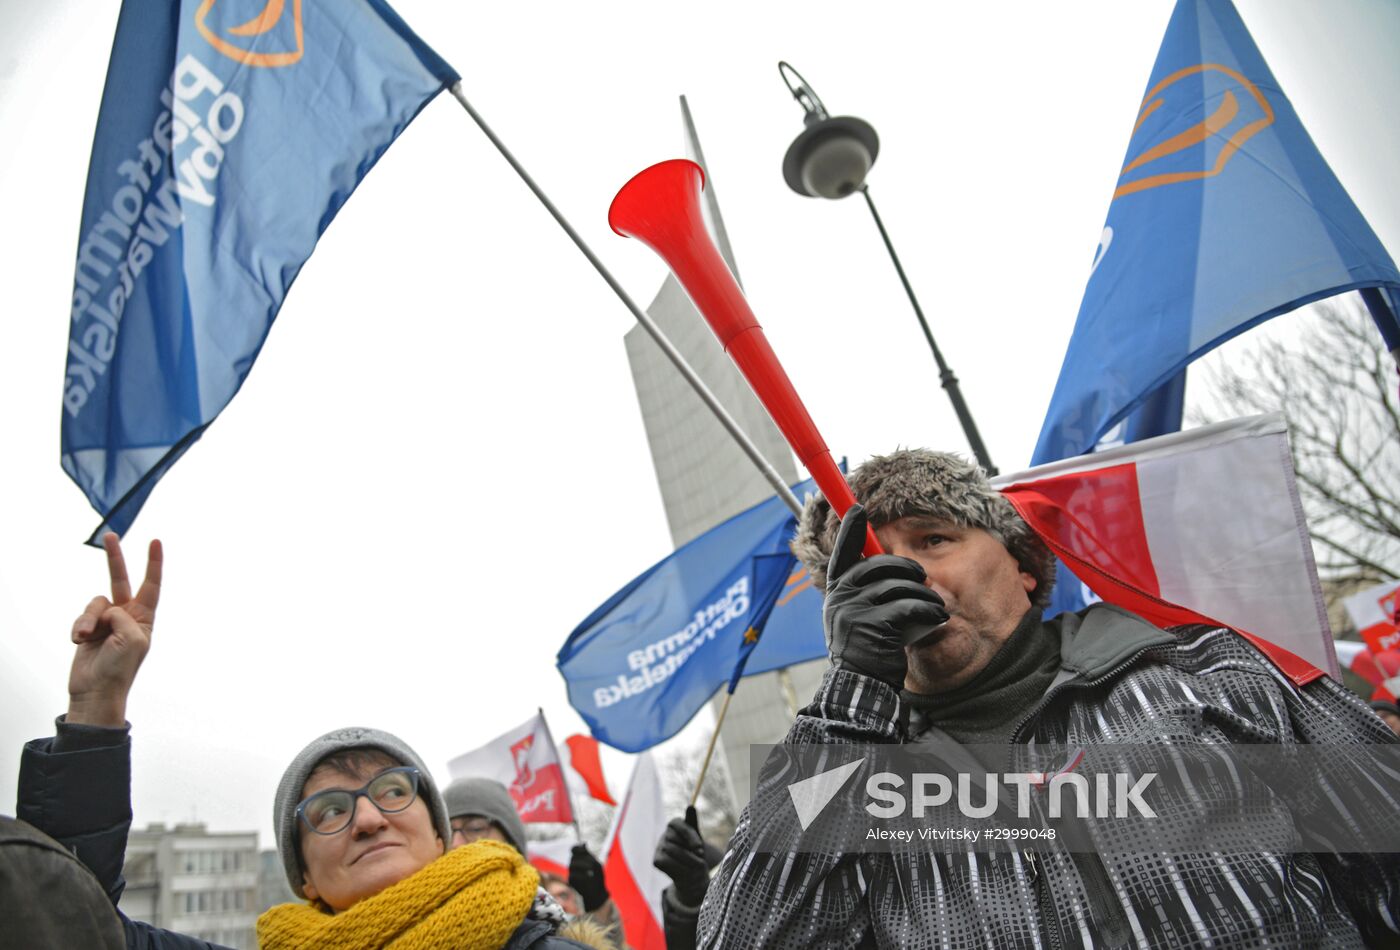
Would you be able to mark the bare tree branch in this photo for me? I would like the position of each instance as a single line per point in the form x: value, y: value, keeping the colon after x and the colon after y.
x: 1337, y: 388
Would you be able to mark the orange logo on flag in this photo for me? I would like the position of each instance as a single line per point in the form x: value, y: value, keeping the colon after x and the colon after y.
x: 1221, y: 123
x: 268, y: 23
x: 795, y: 585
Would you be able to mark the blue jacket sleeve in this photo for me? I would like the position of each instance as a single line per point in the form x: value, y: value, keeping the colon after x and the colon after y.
x: 76, y: 788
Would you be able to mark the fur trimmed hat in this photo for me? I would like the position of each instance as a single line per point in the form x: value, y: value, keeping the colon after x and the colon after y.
x: 489, y: 799
x: 289, y: 790
x: 932, y: 484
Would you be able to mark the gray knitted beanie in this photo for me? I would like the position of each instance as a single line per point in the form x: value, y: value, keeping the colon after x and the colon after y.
x: 289, y: 790
x: 931, y: 484
x: 489, y: 799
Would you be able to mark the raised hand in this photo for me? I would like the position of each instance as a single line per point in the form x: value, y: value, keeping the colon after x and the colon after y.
x: 875, y: 606
x: 680, y: 855
x: 586, y: 877
x: 112, y: 636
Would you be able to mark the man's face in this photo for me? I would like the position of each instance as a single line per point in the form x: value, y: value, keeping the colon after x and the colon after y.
x: 565, y: 895
x: 469, y: 828
x: 1390, y: 719
x: 375, y: 851
x: 985, y: 591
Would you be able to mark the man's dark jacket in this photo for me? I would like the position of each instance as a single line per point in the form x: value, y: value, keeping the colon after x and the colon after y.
x: 1186, y: 692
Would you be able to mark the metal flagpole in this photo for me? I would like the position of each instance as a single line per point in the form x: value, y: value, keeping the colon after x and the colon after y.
x: 568, y: 792
x: 696, y: 383
x: 673, y: 354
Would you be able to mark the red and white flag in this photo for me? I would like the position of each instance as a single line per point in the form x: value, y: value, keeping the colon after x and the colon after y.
x: 525, y: 761
x: 1376, y: 613
x: 1357, y: 657
x: 583, y: 768
x: 634, y: 884
x: 1196, y: 526
x: 551, y: 856
x: 1381, y: 670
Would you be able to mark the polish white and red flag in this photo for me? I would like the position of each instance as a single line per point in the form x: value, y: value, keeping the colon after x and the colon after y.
x: 526, y: 762
x: 634, y: 884
x: 551, y: 855
x: 1202, y: 526
x: 583, y: 768
x: 1376, y: 613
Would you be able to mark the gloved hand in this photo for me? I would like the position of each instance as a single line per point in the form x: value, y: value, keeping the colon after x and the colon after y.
x: 586, y: 877
x: 680, y: 855
x: 875, y: 606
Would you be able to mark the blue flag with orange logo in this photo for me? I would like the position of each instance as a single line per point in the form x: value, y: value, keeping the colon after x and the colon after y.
x: 641, y: 665
x: 230, y: 134
x: 1223, y: 216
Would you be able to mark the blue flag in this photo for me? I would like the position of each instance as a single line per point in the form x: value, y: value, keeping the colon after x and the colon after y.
x: 1224, y: 215
x: 773, y: 574
x: 646, y: 661
x: 230, y: 135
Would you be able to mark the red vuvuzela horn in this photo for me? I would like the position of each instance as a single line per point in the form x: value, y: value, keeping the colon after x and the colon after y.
x: 660, y: 207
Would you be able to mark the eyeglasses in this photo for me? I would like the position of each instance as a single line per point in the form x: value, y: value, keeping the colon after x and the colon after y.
x: 331, y: 811
x: 473, y: 829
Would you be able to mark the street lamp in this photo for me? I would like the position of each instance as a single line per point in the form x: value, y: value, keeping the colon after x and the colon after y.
x: 830, y: 159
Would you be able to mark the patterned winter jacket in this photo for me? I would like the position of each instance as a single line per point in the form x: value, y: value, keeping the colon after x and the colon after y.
x: 1122, y: 681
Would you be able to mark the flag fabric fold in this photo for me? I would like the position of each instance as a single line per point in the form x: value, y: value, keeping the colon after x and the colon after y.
x: 226, y: 143
x: 1203, y: 526
x: 642, y: 664
x: 526, y: 761
x: 583, y: 769
x: 551, y: 855
x: 1224, y: 215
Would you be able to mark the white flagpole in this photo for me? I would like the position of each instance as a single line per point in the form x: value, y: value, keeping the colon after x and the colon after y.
x: 573, y: 806
x: 674, y: 355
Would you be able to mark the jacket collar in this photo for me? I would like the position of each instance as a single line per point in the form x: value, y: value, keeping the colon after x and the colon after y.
x: 1102, y: 636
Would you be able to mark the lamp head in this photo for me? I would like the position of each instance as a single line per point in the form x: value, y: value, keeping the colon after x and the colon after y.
x: 832, y: 156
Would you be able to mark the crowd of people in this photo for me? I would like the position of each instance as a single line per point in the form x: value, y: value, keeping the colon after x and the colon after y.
x: 940, y: 643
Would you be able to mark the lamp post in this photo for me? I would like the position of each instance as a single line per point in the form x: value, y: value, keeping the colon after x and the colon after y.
x: 830, y: 159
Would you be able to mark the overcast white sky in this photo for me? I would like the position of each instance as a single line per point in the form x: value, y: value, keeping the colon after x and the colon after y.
x: 438, y: 466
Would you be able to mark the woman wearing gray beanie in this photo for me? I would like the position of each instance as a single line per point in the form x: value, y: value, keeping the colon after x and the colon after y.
x: 360, y: 823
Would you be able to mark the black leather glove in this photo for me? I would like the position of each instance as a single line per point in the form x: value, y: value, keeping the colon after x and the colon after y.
x: 875, y: 606
x: 680, y: 855
x: 586, y: 877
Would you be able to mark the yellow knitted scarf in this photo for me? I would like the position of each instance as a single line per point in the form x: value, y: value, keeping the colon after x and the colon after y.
x: 473, y: 897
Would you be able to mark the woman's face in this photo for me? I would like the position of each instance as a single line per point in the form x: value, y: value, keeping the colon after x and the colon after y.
x: 374, y: 851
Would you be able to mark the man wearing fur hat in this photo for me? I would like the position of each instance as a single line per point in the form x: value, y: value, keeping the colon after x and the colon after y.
x: 941, y: 642
x: 360, y: 823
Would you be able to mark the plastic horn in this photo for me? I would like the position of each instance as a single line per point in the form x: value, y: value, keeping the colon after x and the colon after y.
x: 661, y: 208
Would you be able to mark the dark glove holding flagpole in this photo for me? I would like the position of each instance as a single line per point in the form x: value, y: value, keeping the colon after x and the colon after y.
x: 586, y: 877
x: 875, y: 606
x: 680, y: 855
